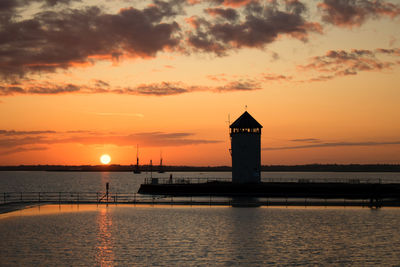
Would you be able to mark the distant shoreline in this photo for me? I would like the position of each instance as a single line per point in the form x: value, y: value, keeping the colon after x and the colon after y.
x: 265, y: 168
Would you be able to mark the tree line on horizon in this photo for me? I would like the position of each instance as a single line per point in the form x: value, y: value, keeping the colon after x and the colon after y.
x: 166, y: 168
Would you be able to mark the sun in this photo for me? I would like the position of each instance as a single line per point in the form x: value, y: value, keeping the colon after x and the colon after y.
x: 105, y: 159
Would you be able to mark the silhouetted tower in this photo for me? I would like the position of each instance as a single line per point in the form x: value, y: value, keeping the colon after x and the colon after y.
x: 245, y: 135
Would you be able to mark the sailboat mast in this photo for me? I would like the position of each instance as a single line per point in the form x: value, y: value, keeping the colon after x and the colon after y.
x: 137, y: 170
x: 160, y: 169
x: 137, y: 155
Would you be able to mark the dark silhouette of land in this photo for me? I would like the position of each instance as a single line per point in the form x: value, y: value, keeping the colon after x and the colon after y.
x: 166, y: 168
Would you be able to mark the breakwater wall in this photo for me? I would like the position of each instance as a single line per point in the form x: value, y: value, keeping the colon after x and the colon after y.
x: 22, y: 199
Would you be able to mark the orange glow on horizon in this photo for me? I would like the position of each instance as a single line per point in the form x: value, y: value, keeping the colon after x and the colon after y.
x: 324, y: 93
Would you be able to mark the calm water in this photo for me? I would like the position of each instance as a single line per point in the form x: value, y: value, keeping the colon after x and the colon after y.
x: 127, y: 182
x: 90, y: 235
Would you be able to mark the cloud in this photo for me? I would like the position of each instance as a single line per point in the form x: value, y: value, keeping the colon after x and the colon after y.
x: 13, y: 132
x: 70, y: 88
x: 232, y: 3
x: 239, y: 86
x: 307, y: 140
x: 61, y: 35
x: 22, y: 149
x: 19, y: 141
x: 161, y: 89
x: 11, y: 90
x: 218, y: 77
x: 228, y: 13
x: 61, y: 39
x: 353, y: 13
x: 344, y: 63
x: 39, y: 89
x: 101, y: 83
x: 333, y: 144
x: 8, y: 8
x: 259, y: 25
x: 275, y: 77
x: 151, y: 89
x: 148, y: 139
x: 169, y: 88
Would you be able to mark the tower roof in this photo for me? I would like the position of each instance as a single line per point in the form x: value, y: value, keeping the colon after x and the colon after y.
x: 245, y: 121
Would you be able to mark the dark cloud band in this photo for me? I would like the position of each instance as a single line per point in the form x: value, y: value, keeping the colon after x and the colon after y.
x: 52, y: 40
x: 152, y: 89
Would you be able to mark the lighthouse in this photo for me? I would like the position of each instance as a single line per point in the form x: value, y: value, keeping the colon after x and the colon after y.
x: 245, y: 135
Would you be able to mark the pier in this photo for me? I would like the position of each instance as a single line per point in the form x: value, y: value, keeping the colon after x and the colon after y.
x: 34, y: 198
x: 41, y: 198
x: 278, y: 191
x: 222, y: 192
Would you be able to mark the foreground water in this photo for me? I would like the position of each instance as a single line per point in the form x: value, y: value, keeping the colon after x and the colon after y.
x: 90, y: 235
x: 124, y: 235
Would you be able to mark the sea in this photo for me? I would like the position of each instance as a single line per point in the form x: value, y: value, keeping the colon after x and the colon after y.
x: 171, y: 235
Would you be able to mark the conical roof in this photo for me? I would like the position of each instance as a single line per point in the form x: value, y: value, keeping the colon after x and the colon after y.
x: 245, y: 121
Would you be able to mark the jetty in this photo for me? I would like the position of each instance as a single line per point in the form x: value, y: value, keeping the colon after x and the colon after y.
x: 16, y: 200
x: 246, y: 183
x: 354, y: 190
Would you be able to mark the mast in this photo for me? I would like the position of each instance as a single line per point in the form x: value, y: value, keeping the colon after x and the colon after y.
x: 160, y: 170
x: 151, y: 168
x: 137, y: 155
x: 230, y: 138
x: 137, y: 169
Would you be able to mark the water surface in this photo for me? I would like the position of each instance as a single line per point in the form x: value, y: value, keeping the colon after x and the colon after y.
x: 87, y: 235
x: 127, y: 182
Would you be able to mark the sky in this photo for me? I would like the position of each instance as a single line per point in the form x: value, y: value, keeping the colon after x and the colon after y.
x: 80, y: 78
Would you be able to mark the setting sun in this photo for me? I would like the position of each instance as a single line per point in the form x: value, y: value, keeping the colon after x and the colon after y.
x: 105, y: 159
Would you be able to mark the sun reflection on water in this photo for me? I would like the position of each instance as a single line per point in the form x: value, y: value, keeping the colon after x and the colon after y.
x: 104, y: 249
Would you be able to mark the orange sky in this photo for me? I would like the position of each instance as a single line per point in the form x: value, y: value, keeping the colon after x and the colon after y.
x: 80, y: 79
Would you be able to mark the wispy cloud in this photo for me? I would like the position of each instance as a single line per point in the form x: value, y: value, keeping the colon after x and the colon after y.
x: 275, y: 77
x: 307, y: 140
x: 218, y: 77
x: 22, y: 149
x: 158, y: 89
x: 334, y: 144
x: 12, y: 141
x: 39, y: 89
x: 151, y: 89
x: 338, y: 63
x: 16, y: 133
x: 248, y: 85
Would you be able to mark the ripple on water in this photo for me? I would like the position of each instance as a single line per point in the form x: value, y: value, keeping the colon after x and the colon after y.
x: 185, y: 236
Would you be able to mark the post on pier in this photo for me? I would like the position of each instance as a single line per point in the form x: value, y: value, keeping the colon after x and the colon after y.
x: 107, y: 187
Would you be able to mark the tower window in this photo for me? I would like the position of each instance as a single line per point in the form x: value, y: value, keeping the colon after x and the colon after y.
x: 245, y: 130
